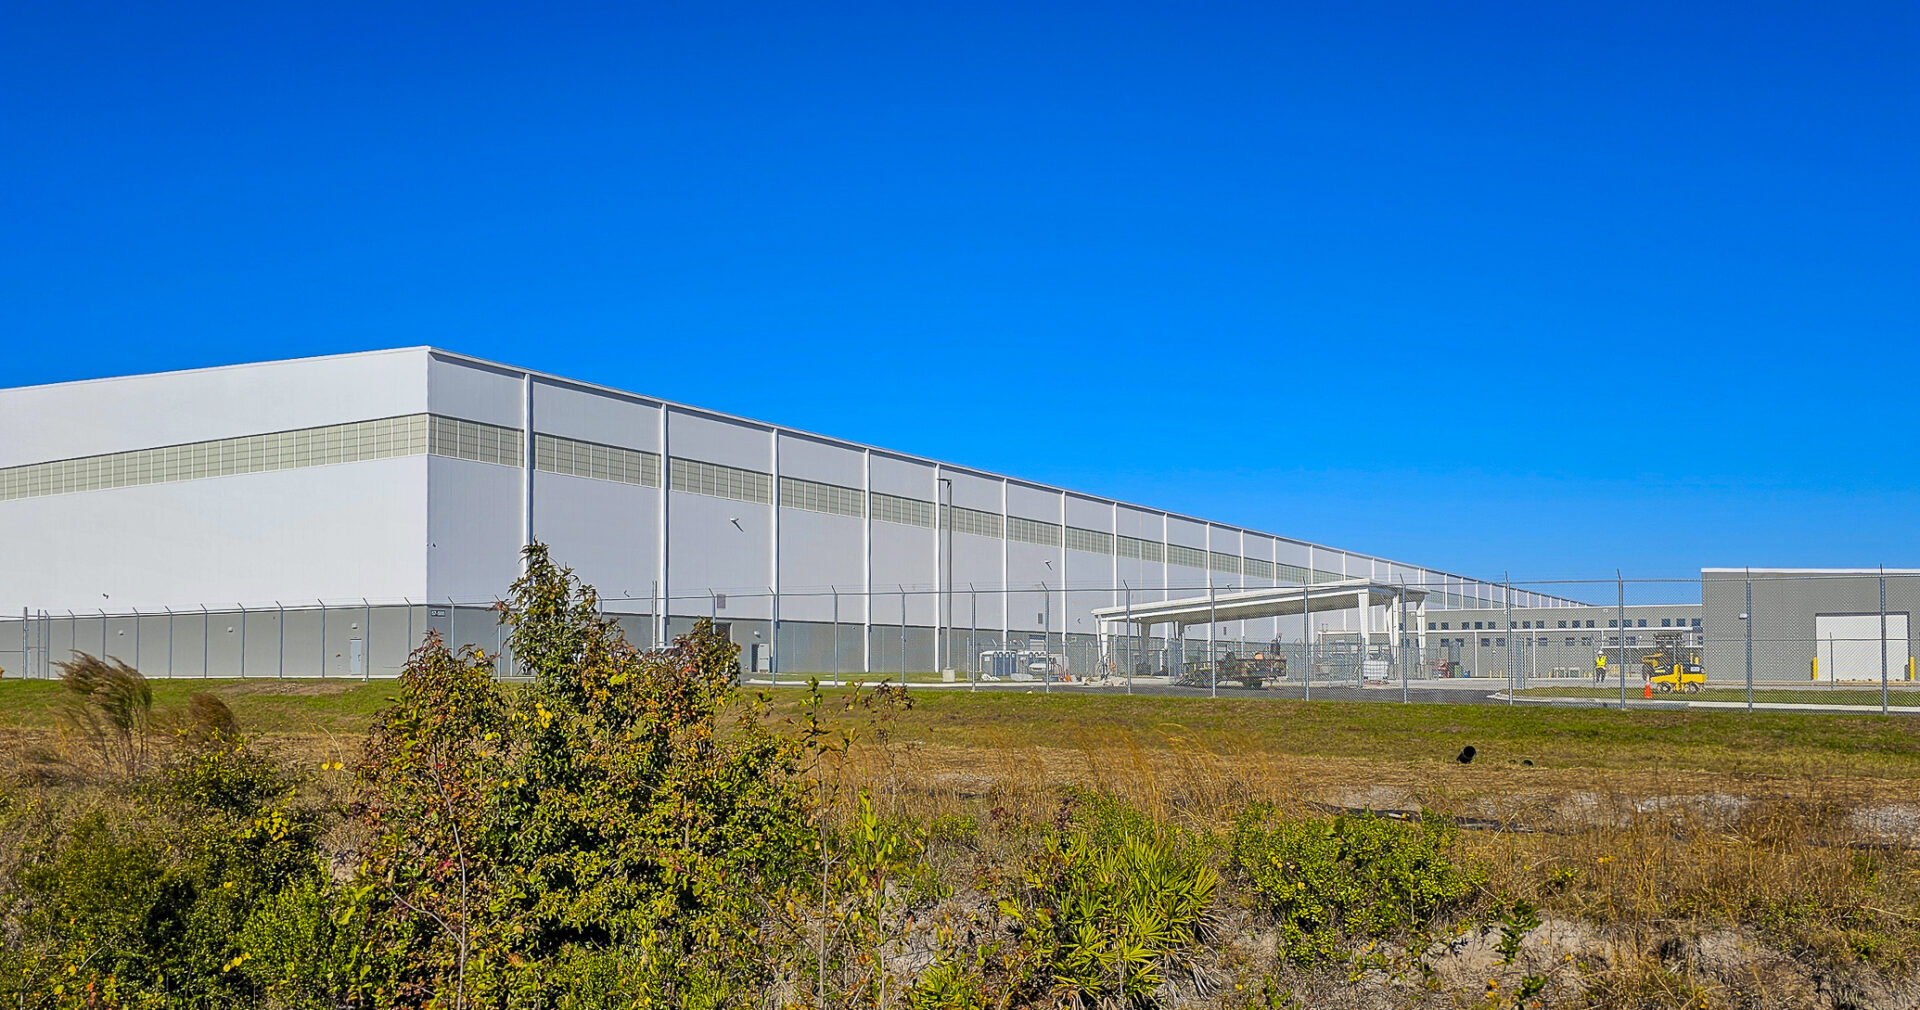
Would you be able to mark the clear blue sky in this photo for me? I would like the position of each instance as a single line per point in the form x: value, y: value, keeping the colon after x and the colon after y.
x: 1547, y: 288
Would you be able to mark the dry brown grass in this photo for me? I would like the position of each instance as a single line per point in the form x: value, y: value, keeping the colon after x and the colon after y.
x: 1736, y: 890
x: 1669, y: 873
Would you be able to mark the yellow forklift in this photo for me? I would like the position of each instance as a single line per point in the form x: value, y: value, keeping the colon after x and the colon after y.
x: 1668, y: 668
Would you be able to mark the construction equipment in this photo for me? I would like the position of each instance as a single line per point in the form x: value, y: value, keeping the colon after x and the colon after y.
x: 1668, y: 669
x: 1255, y: 670
x: 1251, y: 671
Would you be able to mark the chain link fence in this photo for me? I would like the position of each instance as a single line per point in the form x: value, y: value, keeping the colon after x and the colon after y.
x: 1731, y: 637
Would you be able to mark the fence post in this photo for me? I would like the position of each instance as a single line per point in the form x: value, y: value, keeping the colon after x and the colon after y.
x: 280, y: 618
x: 206, y: 640
x: 1747, y: 618
x: 1507, y: 610
x: 1213, y: 661
x: 243, y: 640
x: 169, y: 611
x: 903, y: 639
x: 773, y: 642
x: 1620, y: 583
x: 1883, y: 639
x: 1046, y: 674
x: 1406, y: 665
x: 1306, y: 618
x: 136, y: 638
x: 366, y: 642
x: 323, y: 635
x: 973, y: 638
x: 836, y: 634
x: 1130, y: 659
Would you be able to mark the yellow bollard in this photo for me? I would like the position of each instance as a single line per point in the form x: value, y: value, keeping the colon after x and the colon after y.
x: 1816, y: 668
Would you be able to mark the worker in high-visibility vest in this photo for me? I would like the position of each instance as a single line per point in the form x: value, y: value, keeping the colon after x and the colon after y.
x: 1599, y: 667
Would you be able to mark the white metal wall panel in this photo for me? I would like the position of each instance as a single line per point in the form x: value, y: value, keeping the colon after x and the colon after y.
x: 716, y: 440
x: 1027, y: 569
x: 1089, y: 514
x: 1138, y: 523
x: 473, y: 528
x: 976, y: 560
x: 1033, y: 503
x: 902, y: 477
x: 708, y: 551
x: 1254, y: 545
x: 90, y: 418
x: 337, y: 532
x: 824, y: 462
x: 595, y: 417
x: 903, y: 556
x: 820, y: 552
x: 975, y: 492
x: 476, y: 393
x: 606, y: 531
x: 1186, y: 532
x: 1144, y: 578
x: 1288, y: 552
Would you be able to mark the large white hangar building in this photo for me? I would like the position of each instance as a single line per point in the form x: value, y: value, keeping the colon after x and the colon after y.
x: 316, y: 515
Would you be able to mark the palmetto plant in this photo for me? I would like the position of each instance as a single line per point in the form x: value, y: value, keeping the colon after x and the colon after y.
x: 1118, y: 905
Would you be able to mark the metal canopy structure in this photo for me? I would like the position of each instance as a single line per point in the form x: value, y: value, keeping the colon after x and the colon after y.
x: 1252, y: 604
x: 1278, y: 601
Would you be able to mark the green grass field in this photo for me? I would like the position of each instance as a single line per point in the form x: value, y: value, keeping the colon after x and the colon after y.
x: 273, y: 707
x: 1734, y: 742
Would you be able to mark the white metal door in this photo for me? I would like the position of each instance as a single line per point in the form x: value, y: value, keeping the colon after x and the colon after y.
x: 1850, y: 646
x: 356, y: 658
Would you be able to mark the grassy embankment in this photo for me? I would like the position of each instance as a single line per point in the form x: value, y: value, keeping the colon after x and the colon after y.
x: 1791, y: 829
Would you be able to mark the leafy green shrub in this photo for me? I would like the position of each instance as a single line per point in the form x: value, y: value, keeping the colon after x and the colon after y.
x: 1327, y: 881
x: 1113, y: 901
x: 616, y: 827
x: 434, y: 783
x: 659, y: 811
x: 314, y: 946
x: 103, y: 904
x: 149, y: 906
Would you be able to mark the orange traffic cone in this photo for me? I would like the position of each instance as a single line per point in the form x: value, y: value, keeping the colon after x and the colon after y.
x: 1649, y: 689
